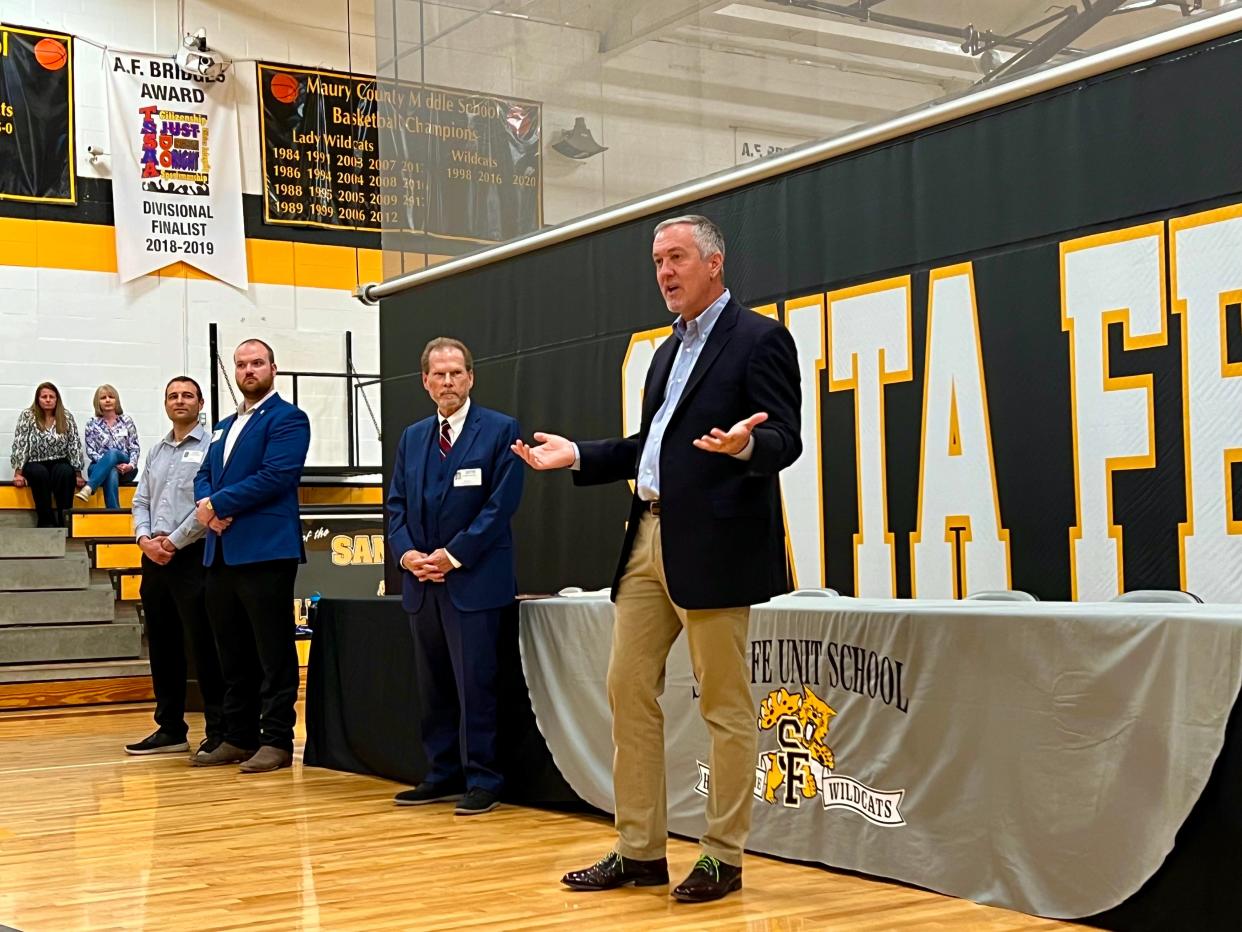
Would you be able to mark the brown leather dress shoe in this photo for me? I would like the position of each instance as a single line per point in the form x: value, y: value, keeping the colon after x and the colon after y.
x: 710, y: 880
x: 223, y: 753
x: 266, y: 759
x: 613, y: 870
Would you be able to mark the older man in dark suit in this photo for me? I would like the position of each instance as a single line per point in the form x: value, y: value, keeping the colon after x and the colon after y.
x: 455, y: 488
x: 705, y: 540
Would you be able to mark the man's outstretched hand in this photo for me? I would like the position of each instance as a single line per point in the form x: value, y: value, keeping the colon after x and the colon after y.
x: 730, y: 442
x: 553, y: 452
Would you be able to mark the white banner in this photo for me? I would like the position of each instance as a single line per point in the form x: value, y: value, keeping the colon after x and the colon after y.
x: 176, y: 169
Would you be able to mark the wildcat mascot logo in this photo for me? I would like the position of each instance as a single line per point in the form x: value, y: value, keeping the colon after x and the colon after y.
x: 802, y: 765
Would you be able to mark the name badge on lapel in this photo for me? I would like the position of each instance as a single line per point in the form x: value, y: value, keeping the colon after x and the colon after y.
x: 192, y: 456
x: 467, y: 477
x: 217, y: 435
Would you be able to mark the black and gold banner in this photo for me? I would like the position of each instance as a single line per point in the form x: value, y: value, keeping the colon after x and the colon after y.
x: 344, y: 555
x: 36, y: 116
x: 1019, y: 338
x: 344, y: 151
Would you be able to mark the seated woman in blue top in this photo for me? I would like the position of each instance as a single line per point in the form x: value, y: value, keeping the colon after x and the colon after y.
x: 111, y: 448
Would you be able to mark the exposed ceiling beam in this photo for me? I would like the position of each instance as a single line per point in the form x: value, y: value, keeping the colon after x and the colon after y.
x: 736, y: 36
x: 642, y: 20
x: 851, y: 37
x: 653, y: 108
x: 705, y: 72
x: 1057, y: 39
x: 1020, y: 14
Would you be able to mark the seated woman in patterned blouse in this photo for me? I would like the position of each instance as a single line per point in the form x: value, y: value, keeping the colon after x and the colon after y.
x: 111, y: 447
x: 47, y: 455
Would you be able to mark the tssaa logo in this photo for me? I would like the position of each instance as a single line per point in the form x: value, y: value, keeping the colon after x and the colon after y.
x: 801, y: 768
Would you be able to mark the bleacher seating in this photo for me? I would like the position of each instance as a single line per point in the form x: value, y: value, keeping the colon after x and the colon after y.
x: 69, y: 605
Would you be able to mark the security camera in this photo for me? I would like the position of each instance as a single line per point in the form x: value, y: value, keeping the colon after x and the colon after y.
x: 94, y: 152
x: 194, y: 56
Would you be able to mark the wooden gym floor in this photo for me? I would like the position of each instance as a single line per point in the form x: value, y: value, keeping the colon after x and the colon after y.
x: 93, y: 839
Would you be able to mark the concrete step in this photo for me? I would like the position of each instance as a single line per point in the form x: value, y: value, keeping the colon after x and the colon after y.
x: 69, y: 572
x: 52, y: 643
x: 58, y: 606
x: 32, y: 542
x: 72, y: 670
x: 22, y: 517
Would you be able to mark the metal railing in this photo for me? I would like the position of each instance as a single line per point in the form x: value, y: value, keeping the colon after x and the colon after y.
x: 357, y: 384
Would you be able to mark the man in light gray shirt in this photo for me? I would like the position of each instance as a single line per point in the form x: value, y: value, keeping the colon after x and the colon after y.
x: 174, y: 578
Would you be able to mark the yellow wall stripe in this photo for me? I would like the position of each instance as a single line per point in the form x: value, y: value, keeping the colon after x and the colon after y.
x: 91, y: 247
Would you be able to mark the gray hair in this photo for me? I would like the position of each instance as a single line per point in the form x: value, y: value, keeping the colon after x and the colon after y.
x: 707, y: 235
x: 445, y: 343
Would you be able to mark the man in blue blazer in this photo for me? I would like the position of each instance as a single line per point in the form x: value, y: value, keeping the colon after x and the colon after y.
x: 705, y: 540
x: 247, y: 494
x: 455, y: 487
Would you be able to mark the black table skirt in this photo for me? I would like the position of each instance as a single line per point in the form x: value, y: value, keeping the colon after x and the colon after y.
x: 362, y: 708
x: 1197, y: 885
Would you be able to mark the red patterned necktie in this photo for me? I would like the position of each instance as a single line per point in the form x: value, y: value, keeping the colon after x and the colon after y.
x: 446, y: 439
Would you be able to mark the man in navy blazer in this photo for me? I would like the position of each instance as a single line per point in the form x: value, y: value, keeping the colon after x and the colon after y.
x: 455, y: 487
x: 247, y: 494
x: 705, y: 540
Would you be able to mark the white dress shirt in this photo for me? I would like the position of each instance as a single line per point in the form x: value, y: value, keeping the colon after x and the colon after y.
x: 243, y: 415
x: 457, y: 420
x: 691, y: 338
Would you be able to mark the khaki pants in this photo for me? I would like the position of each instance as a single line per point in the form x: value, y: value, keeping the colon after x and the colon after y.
x: 647, y: 625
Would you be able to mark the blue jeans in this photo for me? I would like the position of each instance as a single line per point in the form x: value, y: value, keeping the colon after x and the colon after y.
x: 103, y: 475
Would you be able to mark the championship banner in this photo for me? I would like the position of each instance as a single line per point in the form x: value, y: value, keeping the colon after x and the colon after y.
x: 344, y: 151
x: 36, y: 116
x: 1019, y: 343
x: 176, y: 163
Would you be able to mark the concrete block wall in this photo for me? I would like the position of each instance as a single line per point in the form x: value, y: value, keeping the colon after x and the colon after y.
x: 659, y: 108
x: 80, y: 327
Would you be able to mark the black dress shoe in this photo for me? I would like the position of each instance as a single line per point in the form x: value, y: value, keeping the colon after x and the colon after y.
x: 710, y: 880
x: 476, y: 802
x: 613, y: 870
x: 426, y: 793
x: 158, y: 742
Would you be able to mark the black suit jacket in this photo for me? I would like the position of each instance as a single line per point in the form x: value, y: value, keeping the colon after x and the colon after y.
x: 722, y: 531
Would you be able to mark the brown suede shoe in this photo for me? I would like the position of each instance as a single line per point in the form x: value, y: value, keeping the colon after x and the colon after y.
x: 266, y: 759
x: 224, y: 753
x: 711, y: 879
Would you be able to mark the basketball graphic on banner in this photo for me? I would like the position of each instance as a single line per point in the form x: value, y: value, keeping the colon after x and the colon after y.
x: 51, y: 54
x: 285, y: 88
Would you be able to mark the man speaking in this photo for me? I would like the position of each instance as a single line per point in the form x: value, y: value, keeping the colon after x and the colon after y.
x: 705, y: 541
x: 455, y: 487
